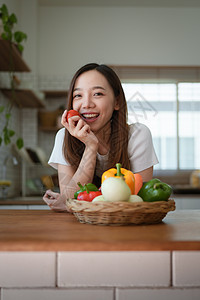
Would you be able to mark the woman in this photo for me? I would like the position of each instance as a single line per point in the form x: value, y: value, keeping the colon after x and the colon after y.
x: 100, y: 137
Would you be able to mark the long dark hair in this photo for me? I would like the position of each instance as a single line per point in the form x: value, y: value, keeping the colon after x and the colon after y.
x: 73, y: 148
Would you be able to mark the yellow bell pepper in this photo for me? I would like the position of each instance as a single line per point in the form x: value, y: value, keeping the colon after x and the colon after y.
x: 119, y: 172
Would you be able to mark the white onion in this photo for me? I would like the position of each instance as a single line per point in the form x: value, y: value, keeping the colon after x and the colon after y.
x: 115, y: 189
x: 99, y: 198
x: 135, y: 198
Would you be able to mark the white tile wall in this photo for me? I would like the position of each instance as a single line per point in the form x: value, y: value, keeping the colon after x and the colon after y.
x: 113, y: 268
x: 53, y: 82
x: 101, y: 294
x: 46, y: 141
x: 99, y: 275
x: 27, y: 269
x: 57, y: 294
x: 29, y: 127
x: 158, y: 294
x: 186, y: 268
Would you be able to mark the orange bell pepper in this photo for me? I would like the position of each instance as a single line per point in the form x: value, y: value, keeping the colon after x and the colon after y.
x: 119, y: 172
x: 138, y: 182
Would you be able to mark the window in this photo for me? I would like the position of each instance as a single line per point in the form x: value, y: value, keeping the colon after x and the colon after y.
x: 172, y: 112
x: 189, y: 124
x: 155, y: 106
x: 167, y: 100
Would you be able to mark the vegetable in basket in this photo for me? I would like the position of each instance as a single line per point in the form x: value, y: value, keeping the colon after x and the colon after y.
x: 115, y: 189
x: 138, y: 182
x: 99, y: 198
x: 89, y: 186
x: 135, y: 198
x: 155, y: 190
x: 88, y: 195
x: 120, y: 172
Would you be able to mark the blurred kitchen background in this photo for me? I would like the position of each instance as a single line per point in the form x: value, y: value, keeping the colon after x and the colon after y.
x: 153, y: 45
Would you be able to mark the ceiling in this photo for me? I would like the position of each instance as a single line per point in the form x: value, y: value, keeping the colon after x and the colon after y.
x: 141, y: 3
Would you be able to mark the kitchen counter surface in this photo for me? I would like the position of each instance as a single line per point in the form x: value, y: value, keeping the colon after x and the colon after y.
x: 34, y: 200
x: 45, y: 230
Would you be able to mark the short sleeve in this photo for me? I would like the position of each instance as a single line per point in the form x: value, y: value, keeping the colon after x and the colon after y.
x: 140, y: 148
x: 57, y: 156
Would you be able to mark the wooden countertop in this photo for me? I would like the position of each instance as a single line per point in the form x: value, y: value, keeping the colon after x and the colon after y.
x: 45, y: 230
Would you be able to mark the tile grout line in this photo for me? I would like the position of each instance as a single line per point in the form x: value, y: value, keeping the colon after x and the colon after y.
x: 56, y: 269
x: 171, y: 269
x: 114, y: 293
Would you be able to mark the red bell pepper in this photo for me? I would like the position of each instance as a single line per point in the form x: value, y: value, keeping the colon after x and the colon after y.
x: 88, y: 195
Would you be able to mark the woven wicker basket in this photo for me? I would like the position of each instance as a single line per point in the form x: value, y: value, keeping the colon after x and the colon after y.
x: 120, y: 213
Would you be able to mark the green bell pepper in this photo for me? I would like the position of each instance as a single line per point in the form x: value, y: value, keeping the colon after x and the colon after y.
x: 155, y: 190
x: 90, y: 187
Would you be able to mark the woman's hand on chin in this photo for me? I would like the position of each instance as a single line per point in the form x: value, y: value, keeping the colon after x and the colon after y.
x: 78, y: 128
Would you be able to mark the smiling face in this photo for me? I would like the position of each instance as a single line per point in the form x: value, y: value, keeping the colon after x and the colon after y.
x: 94, y: 99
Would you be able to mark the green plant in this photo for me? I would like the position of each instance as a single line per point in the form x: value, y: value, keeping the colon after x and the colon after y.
x: 16, y: 37
x: 8, y: 22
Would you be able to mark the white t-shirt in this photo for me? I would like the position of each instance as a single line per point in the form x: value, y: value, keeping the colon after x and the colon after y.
x: 141, y: 152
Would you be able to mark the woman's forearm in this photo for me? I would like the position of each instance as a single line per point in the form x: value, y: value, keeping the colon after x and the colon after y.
x: 84, y: 173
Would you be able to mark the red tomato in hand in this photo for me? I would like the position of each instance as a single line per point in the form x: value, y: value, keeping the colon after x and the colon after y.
x: 72, y: 113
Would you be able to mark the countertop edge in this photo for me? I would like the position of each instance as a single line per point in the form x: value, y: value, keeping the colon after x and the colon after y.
x: 71, y: 247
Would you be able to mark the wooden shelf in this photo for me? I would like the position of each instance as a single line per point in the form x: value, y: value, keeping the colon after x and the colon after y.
x: 24, y: 98
x: 18, y: 63
x: 55, y: 94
